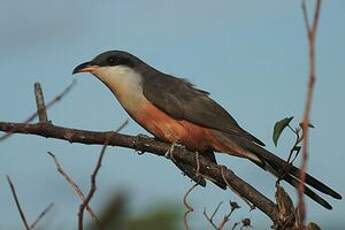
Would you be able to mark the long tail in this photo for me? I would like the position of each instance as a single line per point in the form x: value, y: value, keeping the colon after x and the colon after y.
x: 242, y: 147
x: 290, y: 173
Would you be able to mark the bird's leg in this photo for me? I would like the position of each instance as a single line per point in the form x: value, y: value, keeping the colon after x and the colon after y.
x: 170, y: 153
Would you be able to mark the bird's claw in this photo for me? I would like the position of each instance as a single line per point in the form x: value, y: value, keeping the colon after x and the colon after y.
x: 137, y: 139
x: 169, y: 154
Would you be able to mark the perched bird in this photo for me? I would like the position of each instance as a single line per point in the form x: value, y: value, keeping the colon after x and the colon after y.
x: 175, y: 111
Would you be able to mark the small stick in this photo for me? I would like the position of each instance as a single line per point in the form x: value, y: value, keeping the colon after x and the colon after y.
x: 93, y: 187
x: 43, y: 213
x: 41, y: 107
x: 73, y: 185
x: 188, y: 207
x: 311, y: 34
x: 210, y: 219
x: 13, y: 190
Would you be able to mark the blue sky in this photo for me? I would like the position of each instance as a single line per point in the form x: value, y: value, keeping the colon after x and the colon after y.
x: 251, y: 56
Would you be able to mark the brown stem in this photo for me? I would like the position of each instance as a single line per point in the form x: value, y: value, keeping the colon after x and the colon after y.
x: 142, y: 144
x: 15, y: 197
x: 311, y: 34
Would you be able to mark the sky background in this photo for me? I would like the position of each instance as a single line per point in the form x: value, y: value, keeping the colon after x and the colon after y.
x: 251, y: 56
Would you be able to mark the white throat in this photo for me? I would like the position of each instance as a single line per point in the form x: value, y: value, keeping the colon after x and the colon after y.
x: 125, y: 83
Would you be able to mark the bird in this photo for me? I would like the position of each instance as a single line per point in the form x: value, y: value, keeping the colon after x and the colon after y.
x: 175, y: 111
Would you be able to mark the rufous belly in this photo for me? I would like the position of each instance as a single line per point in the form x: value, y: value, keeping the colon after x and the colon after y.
x: 172, y: 130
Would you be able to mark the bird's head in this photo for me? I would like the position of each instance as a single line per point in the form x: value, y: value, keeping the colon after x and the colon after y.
x: 119, y: 70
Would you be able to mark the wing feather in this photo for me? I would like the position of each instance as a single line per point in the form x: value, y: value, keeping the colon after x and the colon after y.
x: 180, y: 99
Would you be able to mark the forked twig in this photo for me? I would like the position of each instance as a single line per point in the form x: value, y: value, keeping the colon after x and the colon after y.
x: 75, y: 187
x: 226, y: 218
x: 93, y: 187
x: 50, y: 104
x: 311, y: 34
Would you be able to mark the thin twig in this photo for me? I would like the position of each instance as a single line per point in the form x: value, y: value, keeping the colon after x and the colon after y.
x: 41, y: 107
x: 210, y: 219
x: 13, y: 190
x: 188, y: 207
x: 93, y: 186
x: 226, y: 218
x: 50, y: 104
x: 311, y: 34
x: 42, y: 214
x: 73, y: 185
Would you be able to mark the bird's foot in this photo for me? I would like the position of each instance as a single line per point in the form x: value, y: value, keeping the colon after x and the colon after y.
x: 169, y: 154
x: 137, y: 140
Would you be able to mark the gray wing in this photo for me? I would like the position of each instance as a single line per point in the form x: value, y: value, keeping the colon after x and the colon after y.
x: 181, y: 100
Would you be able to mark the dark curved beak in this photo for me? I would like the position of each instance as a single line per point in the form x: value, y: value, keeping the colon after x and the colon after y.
x: 84, y: 67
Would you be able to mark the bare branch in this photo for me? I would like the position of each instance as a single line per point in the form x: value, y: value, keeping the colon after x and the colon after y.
x: 50, y: 104
x: 75, y: 187
x: 13, y: 190
x: 93, y: 187
x: 149, y: 145
x: 188, y: 207
x: 43, y: 213
x: 311, y: 32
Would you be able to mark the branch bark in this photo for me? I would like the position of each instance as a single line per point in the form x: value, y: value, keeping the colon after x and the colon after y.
x: 146, y: 144
x: 311, y: 34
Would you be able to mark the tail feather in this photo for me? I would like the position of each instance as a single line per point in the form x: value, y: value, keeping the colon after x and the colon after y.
x: 295, y: 182
x: 290, y: 173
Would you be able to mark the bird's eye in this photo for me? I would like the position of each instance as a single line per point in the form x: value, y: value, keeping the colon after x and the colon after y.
x: 112, y: 60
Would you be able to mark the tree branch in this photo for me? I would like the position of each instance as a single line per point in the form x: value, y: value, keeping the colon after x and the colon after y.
x: 311, y: 34
x: 145, y: 144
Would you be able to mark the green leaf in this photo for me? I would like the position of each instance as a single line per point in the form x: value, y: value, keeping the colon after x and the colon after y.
x: 296, y: 148
x: 279, y: 127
